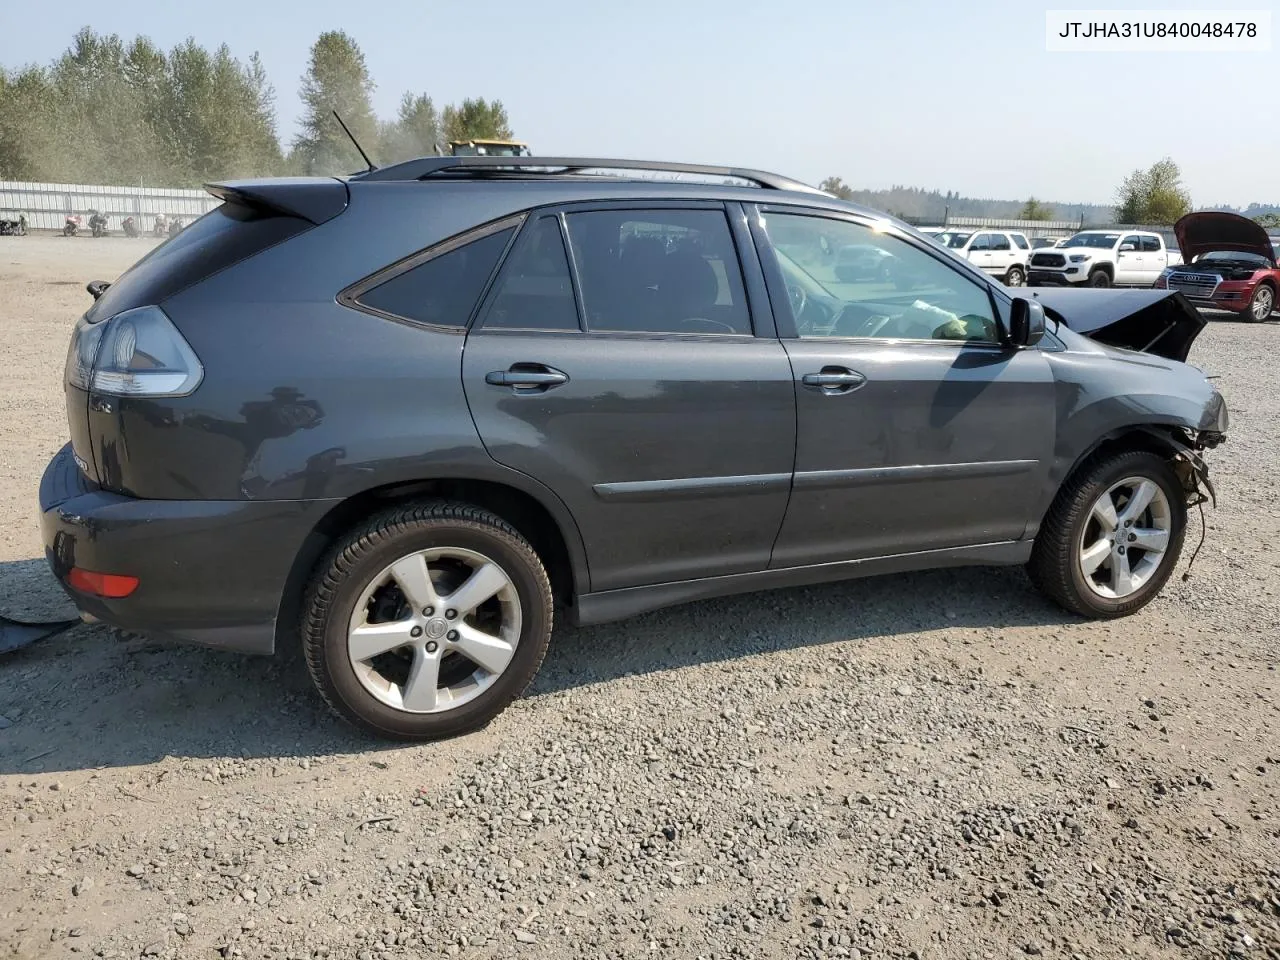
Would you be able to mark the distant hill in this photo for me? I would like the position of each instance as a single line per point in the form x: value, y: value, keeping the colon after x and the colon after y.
x: 915, y: 203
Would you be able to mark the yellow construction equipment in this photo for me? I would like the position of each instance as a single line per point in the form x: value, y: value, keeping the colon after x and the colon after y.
x: 488, y: 148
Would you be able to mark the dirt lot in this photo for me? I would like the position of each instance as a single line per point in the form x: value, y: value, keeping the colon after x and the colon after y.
x: 938, y: 765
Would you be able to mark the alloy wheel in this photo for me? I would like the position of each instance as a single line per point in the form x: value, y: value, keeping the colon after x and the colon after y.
x: 1125, y: 538
x: 434, y: 630
x: 1263, y: 303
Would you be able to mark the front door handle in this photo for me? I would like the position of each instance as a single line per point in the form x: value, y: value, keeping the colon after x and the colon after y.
x: 527, y: 377
x: 834, y: 380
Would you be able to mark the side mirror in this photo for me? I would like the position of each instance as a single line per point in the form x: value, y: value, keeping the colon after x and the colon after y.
x: 1026, y: 322
x: 1125, y: 247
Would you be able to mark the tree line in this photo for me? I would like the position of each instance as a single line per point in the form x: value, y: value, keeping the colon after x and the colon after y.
x: 123, y: 113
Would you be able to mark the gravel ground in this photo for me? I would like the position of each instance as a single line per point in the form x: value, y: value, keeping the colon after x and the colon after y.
x: 933, y: 765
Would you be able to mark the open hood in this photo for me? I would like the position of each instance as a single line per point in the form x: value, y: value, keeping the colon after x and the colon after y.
x: 1161, y: 322
x: 1211, y: 230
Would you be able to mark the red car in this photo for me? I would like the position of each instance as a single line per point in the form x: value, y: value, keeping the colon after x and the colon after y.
x: 1229, y: 264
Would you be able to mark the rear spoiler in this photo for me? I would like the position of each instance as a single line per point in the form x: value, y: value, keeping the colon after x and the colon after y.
x: 314, y: 199
x: 1160, y: 322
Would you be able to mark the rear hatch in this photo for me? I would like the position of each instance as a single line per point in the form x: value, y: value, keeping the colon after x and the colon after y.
x: 252, y: 216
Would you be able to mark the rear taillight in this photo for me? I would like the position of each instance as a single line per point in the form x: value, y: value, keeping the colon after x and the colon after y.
x: 114, y: 586
x: 138, y: 353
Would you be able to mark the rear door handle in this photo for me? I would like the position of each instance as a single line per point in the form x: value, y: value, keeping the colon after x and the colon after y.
x: 527, y: 377
x: 834, y: 380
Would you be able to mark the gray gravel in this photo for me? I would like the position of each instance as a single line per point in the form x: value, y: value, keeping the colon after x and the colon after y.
x: 933, y: 765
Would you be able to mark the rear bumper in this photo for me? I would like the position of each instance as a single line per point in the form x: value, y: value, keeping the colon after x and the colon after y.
x: 211, y: 572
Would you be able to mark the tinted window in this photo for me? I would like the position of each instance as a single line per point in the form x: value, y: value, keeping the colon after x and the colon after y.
x: 534, y: 290
x: 999, y: 241
x: 981, y: 242
x: 659, y: 271
x: 443, y: 290
x: 1020, y: 241
x: 917, y: 296
x: 1151, y: 244
x: 228, y: 233
x: 1134, y: 239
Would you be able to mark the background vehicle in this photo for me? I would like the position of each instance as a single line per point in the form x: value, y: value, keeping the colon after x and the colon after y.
x: 97, y: 224
x: 488, y: 148
x: 1103, y: 258
x: 16, y: 227
x: 1040, y: 243
x: 1232, y: 265
x: 474, y: 399
x: 997, y: 252
x: 71, y: 226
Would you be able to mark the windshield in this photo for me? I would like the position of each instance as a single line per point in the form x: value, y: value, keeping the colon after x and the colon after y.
x: 1101, y: 241
x: 958, y: 240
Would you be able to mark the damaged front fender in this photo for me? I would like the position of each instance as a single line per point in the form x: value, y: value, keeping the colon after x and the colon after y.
x: 1159, y: 322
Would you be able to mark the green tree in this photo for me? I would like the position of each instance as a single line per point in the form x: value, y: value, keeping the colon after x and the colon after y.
x: 1033, y: 209
x: 336, y: 79
x: 414, y: 133
x: 837, y: 188
x: 1270, y: 221
x: 477, y: 120
x: 1154, y: 196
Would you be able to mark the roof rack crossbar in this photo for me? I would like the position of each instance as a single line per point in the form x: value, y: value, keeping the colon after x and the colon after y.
x: 425, y: 167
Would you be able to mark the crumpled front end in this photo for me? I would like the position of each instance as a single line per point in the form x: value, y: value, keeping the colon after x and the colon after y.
x: 1160, y: 322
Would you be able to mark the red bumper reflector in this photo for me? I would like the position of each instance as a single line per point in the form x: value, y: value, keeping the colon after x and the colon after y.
x: 112, y: 585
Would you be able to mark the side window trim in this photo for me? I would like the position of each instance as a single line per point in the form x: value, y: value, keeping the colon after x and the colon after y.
x: 781, y: 304
x: 350, y: 296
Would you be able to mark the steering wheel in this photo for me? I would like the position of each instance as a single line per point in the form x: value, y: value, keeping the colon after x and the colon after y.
x: 799, y: 300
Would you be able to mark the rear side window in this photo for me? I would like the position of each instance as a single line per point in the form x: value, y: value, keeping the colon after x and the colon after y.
x: 999, y: 241
x: 659, y: 271
x: 443, y: 290
x: 228, y: 233
x: 1151, y: 244
x: 534, y: 290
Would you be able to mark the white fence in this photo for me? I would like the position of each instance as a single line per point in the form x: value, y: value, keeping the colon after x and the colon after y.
x: 46, y: 205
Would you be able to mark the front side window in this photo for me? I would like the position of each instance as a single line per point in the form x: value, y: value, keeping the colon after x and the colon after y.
x: 443, y: 290
x: 659, y: 271
x: 916, y: 296
x: 1133, y: 240
x: 981, y: 242
x: 534, y: 291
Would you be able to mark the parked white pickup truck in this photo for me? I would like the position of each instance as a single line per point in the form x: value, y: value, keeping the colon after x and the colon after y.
x: 1103, y: 258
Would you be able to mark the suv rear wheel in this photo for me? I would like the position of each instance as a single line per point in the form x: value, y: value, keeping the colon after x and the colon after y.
x: 1015, y: 277
x: 1112, y: 537
x: 427, y: 621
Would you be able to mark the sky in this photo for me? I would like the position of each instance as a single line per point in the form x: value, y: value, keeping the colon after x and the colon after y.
x: 937, y: 94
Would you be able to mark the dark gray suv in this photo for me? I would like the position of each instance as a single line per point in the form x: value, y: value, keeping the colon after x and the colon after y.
x: 403, y: 416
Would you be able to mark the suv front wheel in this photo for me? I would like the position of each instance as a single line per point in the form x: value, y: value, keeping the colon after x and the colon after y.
x: 1112, y: 537
x: 427, y: 621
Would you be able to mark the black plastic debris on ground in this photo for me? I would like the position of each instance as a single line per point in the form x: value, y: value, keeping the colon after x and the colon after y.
x: 16, y: 634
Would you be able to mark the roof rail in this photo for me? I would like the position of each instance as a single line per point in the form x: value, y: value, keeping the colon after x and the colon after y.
x: 425, y: 167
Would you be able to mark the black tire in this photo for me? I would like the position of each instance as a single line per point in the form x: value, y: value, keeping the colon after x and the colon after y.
x: 358, y: 557
x: 1016, y: 277
x: 1053, y: 567
x: 1261, y: 293
x: 1099, y: 278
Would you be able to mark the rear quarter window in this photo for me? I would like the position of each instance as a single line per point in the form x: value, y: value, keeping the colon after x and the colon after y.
x: 227, y: 234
